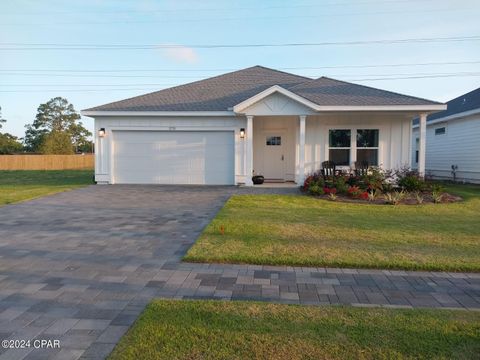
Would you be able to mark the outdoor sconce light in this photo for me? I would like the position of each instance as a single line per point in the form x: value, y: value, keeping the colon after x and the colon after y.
x: 242, y: 133
x: 101, y: 132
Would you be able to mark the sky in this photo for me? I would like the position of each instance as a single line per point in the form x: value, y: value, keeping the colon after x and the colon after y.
x: 97, y: 51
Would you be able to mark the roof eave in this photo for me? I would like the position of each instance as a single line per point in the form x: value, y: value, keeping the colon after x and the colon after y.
x: 102, y: 113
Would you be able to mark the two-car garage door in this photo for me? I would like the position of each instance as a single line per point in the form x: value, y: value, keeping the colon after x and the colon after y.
x: 173, y: 157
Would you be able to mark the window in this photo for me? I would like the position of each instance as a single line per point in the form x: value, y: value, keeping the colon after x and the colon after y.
x: 417, y: 142
x: 339, y: 141
x: 440, y: 130
x: 367, y: 146
x: 274, y: 140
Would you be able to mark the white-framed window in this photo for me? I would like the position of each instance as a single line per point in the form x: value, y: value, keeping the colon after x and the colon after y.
x: 441, y: 130
x: 339, y: 145
x: 417, y: 146
x: 345, y: 146
x: 367, y: 146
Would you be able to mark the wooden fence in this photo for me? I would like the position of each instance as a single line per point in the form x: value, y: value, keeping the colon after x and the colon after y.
x: 46, y: 162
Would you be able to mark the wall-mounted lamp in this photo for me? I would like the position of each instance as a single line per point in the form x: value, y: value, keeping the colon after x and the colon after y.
x: 101, y: 132
x: 242, y: 133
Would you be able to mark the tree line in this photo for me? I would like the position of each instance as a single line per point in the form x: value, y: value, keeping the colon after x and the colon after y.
x: 57, y: 129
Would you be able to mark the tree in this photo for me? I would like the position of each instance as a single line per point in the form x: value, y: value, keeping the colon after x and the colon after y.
x: 80, y: 137
x: 2, y: 120
x: 57, y: 142
x: 59, y: 116
x: 8, y: 142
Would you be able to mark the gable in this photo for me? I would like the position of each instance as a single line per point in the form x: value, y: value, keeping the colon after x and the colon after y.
x: 277, y: 104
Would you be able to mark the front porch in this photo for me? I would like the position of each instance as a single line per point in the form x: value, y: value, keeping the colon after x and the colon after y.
x: 286, y: 148
x: 286, y: 138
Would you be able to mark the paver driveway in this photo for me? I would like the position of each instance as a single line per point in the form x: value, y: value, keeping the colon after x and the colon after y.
x: 80, y: 267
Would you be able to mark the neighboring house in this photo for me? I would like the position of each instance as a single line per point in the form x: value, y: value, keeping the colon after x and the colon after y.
x: 453, y: 139
x: 223, y: 129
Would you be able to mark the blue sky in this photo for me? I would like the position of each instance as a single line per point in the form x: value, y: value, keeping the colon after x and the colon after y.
x: 93, y: 77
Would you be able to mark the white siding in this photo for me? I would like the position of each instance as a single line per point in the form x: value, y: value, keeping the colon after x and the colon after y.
x: 104, y: 146
x: 460, y: 145
x: 394, y: 137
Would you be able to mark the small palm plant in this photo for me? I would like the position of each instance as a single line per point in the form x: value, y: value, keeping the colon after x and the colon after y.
x: 437, y: 196
x: 394, y: 198
x: 418, y: 197
x: 373, y: 195
x: 332, y: 196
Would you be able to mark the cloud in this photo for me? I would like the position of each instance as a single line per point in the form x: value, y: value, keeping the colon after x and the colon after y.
x: 180, y: 53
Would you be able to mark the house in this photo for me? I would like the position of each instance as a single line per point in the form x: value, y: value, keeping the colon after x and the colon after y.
x: 453, y: 140
x: 257, y: 120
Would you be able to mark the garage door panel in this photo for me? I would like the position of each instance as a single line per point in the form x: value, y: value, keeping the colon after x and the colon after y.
x: 173, y: 157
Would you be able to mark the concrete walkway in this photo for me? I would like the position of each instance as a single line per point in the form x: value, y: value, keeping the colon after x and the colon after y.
x: 79, y: 267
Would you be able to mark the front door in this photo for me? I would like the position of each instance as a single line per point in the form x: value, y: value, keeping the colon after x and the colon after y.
x: 274, y: 156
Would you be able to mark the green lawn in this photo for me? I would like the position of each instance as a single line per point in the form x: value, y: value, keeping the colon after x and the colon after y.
x: 24, y: 185
x: 170, y: 329
x: 302, y: 230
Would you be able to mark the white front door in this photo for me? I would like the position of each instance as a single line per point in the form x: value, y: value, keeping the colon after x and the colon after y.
x: 274, y: 156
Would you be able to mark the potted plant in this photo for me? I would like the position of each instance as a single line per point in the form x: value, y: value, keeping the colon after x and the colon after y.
x: 258, y: 179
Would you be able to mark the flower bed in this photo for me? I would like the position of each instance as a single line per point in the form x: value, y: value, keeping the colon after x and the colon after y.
x: 403, y: 186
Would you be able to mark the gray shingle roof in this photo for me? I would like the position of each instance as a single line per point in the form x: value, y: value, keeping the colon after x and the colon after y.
x: 465, y: 102
x: 221, y: 93
x: 330, y: 92
x: 218, y: 93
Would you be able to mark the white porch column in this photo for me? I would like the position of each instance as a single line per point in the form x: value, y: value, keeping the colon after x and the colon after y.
x: 249, y: 151
x: 301, y: 150
x: 422, y: 143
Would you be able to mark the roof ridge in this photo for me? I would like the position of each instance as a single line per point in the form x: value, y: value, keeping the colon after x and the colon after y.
x: 280, y: 71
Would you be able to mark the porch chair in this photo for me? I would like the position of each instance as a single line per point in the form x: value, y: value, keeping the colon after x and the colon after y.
x: 328, y: 169
x: 361, y: 168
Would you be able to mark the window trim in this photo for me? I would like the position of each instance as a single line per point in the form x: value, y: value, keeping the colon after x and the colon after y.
x: 438, y: 128
x: 417, y: 145
x: 353, y: 142
x: 367, y: 147
x: 341, y: 147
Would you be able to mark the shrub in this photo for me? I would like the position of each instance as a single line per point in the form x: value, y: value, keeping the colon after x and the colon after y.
x: 374, y: 180
x: 410, y: 180
x: 306, y: 184
x: 354, y: 191
x: 412, y: 183
x: 314, y: 179
x: 341, y: 185
x: 352, y: 181
x: 437, y: 188
x: 315, y: 189
x: 327, y: 190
